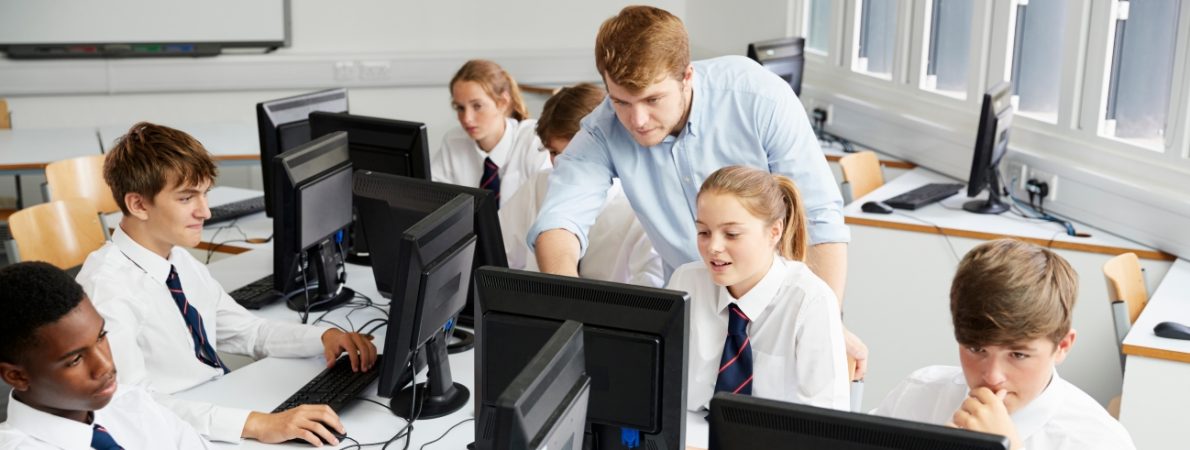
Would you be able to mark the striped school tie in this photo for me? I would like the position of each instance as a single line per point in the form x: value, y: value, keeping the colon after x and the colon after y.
x: 102, y: 440
x: 202, y: 348
x: 735, y: 367
x: 491, y: 178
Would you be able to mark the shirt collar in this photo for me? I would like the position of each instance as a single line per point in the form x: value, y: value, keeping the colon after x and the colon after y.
x: 153, y: 264
x: 58, y: 431
x: 500, y: 152
x: 1037, y: 413
x: 760, y: 296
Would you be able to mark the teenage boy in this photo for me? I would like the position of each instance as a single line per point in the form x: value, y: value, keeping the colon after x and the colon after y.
x: 168, y: 316
x: 1011, y: 303
x: 55, y: 354
x: 666, y: 125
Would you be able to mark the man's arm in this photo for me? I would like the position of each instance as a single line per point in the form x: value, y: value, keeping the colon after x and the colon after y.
x: 829, y: 261
x: 558, y: 252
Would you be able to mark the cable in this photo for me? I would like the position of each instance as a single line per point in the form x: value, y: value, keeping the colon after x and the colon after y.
x: 448, y: 430
x: 936, y: 227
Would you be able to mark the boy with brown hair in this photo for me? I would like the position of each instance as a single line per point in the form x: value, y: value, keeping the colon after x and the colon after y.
x: 167, y: 315
x: 1011, y: 303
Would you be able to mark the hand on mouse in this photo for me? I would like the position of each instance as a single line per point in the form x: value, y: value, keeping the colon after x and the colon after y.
x: 984, y: 411
x: 305, y: 422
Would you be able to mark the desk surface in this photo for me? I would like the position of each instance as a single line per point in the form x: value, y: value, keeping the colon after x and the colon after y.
x: 30, y: 150
x: 947, y: 217
x: 234, y: 236
x: 227, y: 141
x: 1170, y: 302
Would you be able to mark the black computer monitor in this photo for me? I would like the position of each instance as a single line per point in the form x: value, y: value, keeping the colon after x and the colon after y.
x: 312, y: 189
x: 782, y: 56
x: 745, y: 422
x: 431, y: 275
x: 412, y: 199
x: 282, y: 125
x: 635, y: 344
x: 991, y: 142
x: 380, y: 145
x: 545, y: 406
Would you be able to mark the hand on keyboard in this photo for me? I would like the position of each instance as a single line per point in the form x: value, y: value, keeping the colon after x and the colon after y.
x: 311, y: 423
x: 358, y: 347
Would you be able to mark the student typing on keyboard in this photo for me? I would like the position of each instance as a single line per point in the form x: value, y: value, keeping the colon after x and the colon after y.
x: 166, y: 316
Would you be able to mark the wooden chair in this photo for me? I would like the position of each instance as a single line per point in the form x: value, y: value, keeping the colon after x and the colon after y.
x: 81, y: 178
x: 861, y: 171
x: 5, y: 117
x: 61, y: 232
x: 1128, y: 296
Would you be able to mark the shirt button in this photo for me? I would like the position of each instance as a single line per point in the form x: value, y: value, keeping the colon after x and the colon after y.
x: 687, y: 179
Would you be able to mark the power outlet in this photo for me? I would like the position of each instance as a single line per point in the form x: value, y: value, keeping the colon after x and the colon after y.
x: 346, y: 71
x: 830, y: 112
x: 1050, y: 179
x: 374, y: 70
x: 1018, y: 173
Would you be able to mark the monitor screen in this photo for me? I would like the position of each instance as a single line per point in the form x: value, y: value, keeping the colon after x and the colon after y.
x: 991, y: 143
x: 545, y: 405
x: 782, y: 56
x: 282, y: 124
x: 634, y: 341
x: 741, y: 422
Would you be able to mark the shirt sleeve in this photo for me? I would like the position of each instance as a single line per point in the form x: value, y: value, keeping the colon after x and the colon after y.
x: 438, y: 169
x: 516, y: 216
x: 179, y: 432
x: 793, y: 151
x: 239, y: 331
x: 818, y: 337
x: 577, y: 189
x: 215, y: 422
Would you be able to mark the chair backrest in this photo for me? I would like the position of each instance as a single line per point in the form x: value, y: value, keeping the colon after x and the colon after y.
x: 1127, y: 294
x: 5, y: 119
x: 61, y: 232
x: 81, y: 178
x: 862, y: 172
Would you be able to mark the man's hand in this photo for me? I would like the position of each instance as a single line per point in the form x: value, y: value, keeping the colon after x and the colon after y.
x: 984, y: 411
x: 305, y: 422
x: 360, y: 349
x: 857, y: 351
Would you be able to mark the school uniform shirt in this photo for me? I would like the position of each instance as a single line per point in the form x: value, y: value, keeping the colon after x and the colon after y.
x: 132, y: 418
x: 150, y: 343
x: 620, y: 250
x: 517, y: 154
x: 795, y: 332
x: 1061, y: 417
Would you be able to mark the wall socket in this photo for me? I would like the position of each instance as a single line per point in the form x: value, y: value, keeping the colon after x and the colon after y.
x: 1048, y: 178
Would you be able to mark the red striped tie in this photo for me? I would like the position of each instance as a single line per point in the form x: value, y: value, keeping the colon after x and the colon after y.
x: 202, y: 348
x: 735, y: 366
x: 491, y: 178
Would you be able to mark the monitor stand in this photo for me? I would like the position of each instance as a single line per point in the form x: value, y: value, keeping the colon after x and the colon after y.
x: 357, y: 244
x: 436, y: 397
x: 995, y: 203
x: 330, y: 292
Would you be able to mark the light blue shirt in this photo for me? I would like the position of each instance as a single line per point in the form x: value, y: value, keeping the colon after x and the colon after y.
x: 741, y: 114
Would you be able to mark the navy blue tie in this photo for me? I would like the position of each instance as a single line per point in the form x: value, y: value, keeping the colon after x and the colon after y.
x: 202, y: 347
x: 735, y: 366
x: 491, y: 178
x: 101, y: 440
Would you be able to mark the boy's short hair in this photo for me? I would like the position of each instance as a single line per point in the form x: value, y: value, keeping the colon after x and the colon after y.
x: 34, y: 294
x: 640, y: 45
x: 564, y: 110
x: 150, y: 158
x: 1007, y: 291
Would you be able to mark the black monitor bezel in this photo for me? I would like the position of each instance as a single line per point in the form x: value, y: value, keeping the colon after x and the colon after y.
x: 783, y: 56
x: 273, y: 115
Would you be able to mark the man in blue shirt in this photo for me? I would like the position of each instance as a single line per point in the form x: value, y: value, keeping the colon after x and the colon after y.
x: 666, y: 125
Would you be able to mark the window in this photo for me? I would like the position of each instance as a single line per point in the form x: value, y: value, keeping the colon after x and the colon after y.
x: 1037, y: 57
x: 949, y: 40
x: 877, y: 37
x: 819, y: 24
x: 1141, y: 72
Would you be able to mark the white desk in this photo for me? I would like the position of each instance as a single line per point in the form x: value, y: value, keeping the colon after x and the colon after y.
x: 228, y: 142
x: 234, y: 236
x: 25, y: 151
x: 1157, y: 379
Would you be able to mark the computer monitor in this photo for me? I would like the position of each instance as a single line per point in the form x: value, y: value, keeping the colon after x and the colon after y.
x: 412, y: 199
x: 634, y: 342
x: 431, y: 275
x: 545, y: 406
x: 282, y: 125
x: 782, y: 56
x: 312, y: 189
x: 991, y: 142
x: 746, y: 422
x: 381, y: 145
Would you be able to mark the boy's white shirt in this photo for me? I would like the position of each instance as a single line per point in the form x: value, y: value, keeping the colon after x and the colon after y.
x: 796, y: 335
x: 1061, y: 417
x: 460, y: 160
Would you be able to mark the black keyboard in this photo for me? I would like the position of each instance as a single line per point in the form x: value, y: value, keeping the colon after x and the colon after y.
x: 924, y: 195
x: 334, y: 387
x: 235, y: 210
x: 257, y: 294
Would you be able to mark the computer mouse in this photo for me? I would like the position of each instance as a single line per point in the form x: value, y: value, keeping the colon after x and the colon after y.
x: 338, y: 435
x: 876, y: 207
x: 1172, y: 330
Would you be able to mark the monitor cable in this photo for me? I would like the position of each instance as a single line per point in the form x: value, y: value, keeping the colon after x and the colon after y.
x: 819, y: 126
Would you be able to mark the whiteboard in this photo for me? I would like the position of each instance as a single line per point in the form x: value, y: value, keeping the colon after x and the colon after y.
x: 24, y: 22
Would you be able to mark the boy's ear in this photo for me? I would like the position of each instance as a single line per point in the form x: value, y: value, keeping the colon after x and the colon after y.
x: 137, y: 205
x: 1063, y: 347
x: 15, y: 376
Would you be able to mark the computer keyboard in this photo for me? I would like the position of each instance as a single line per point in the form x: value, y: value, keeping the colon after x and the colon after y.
x: 235, y: 210
x: 257, y: 294
x: 334, y: 387
x: 924, y: 195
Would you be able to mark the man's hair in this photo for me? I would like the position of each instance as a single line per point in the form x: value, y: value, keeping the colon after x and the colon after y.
x: 640, y: 45
x: 564, y: 110
x: 1007, y: 291
x: 151, y: 158
x: 34, y: 294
